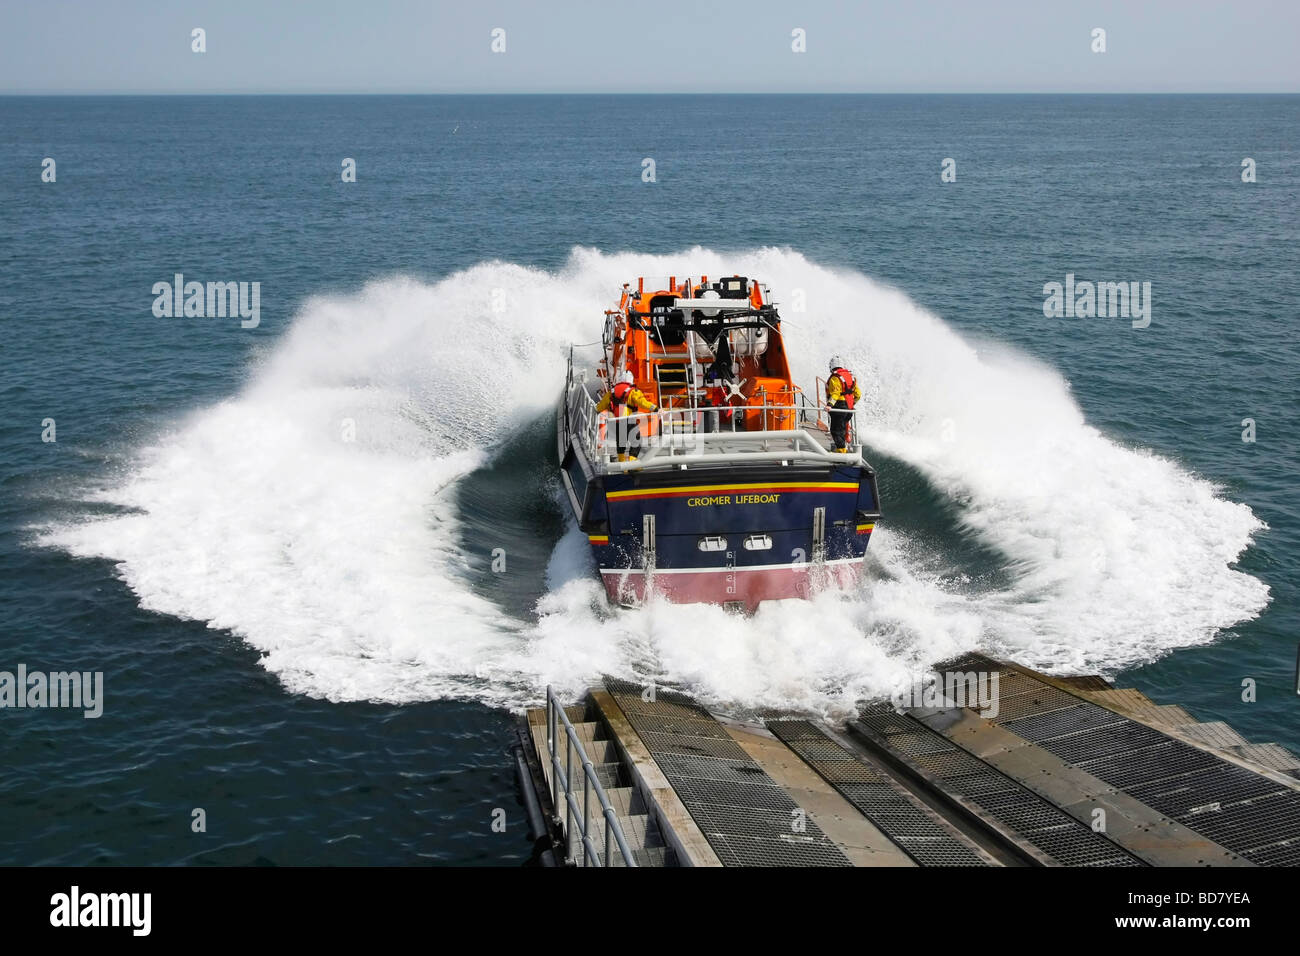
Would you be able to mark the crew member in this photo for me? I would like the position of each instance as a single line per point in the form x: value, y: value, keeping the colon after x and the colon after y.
x: 618, y: 399
x: 842, y: 393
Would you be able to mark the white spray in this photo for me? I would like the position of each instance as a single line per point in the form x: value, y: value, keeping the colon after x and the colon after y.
x: 340, y: 560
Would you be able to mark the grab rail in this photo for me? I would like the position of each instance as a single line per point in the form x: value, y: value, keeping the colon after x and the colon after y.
x: 678, y: 435
x: 562, y: 779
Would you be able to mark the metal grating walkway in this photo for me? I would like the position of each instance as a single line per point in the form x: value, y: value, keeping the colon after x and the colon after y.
x: 879, y: 798
x: 748, y: 819
x: 1249, y: 813
x: 1056, y: 835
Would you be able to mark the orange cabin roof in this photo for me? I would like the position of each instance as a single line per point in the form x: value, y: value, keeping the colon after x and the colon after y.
x: 671, y: 362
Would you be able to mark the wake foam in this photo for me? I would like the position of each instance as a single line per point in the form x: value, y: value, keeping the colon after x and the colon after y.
x: 339, y: 559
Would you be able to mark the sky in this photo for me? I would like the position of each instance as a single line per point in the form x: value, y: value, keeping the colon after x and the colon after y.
x: 623, y: 46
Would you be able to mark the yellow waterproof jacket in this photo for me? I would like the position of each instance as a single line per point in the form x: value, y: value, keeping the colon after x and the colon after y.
x: 835, y: 390
x: 634, y: 398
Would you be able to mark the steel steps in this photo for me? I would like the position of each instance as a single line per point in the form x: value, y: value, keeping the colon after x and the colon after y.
x: 639, y: 828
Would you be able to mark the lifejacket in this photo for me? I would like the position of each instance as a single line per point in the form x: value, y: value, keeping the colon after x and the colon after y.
x: 846, y: 385
x: 620, y: 395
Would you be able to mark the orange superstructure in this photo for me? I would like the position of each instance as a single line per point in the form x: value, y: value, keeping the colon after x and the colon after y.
x: 689, y: 346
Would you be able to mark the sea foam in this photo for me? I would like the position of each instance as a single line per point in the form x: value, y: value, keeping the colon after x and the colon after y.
x: 339, y: 560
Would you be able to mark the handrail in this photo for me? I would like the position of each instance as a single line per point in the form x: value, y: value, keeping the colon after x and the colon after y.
x: 562, y: 778
x: 679, y: 438
x: 770, y: 446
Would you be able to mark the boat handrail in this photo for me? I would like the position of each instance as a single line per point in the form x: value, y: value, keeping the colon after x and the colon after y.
x: 562, y: 780
x: 677, y: 437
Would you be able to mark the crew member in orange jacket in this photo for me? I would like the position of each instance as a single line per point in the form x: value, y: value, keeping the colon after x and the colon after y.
x: 842, y: 393
x: 619, y: 399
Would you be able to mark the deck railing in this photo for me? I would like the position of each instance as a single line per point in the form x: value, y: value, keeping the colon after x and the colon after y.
x: 687, y: 436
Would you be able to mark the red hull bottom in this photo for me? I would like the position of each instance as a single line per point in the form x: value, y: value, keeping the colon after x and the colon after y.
x: 746, y: 586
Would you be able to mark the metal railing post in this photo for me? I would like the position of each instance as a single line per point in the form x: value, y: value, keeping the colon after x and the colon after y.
x: 550, y: 744
x: 568, y: 803
x: 607, y: 840
x: 586, y: 799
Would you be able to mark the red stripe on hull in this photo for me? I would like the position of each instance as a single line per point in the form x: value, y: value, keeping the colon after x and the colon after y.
x: 747, y: 586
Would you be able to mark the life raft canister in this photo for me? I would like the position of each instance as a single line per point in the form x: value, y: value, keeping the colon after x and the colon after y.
x: 846, y: 385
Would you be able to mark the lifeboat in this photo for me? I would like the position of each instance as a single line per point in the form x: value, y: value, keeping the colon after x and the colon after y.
x: 695, y: 465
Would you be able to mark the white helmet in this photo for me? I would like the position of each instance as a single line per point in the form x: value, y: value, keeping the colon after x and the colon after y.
x: 837, y: 361
x: 626, y: 378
